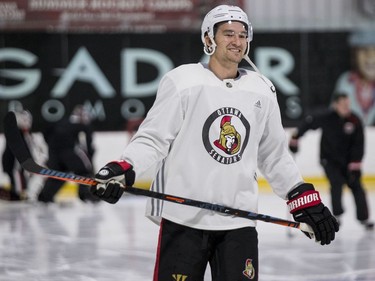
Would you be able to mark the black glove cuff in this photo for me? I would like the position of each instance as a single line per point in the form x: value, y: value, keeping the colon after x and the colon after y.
x: 129, y: 177
x: 122, y: 168
x: 299, y: 190
x: 115, y: 168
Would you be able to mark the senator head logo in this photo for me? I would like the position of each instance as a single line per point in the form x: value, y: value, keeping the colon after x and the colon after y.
x: 229, y: 140
x: 225, y: 135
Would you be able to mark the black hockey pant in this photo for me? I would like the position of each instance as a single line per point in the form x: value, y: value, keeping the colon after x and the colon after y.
x: 338, y: 177
x: 184, y: 253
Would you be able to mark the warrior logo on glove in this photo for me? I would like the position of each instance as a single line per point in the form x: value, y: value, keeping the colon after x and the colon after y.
x: 307, y: 199
x: 305, y: 206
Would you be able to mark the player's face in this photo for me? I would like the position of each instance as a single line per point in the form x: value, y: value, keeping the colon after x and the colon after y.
x: 231, y: 40
x: 366, y: 62
x: 342, y: 106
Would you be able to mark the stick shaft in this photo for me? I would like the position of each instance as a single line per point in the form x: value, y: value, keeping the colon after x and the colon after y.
x: 23, y: 155
x: 33, y: 167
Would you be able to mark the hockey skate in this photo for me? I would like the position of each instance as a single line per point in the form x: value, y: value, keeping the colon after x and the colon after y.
x: 369, y: 225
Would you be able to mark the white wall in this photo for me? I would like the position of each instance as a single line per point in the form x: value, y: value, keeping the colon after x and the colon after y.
x: 288, y: 15
x: 109, y: 146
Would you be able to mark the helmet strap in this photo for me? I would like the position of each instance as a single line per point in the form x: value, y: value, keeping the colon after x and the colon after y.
x: 247, y: 50
x: 272, y: 87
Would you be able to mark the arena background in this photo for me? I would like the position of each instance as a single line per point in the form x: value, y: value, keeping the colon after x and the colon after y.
x: 110, y: 56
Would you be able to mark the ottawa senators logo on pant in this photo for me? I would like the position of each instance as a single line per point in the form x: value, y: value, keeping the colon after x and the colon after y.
x: 249, y: 271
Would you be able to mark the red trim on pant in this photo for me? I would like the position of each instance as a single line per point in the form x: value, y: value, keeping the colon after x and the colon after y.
x: 156, y: 269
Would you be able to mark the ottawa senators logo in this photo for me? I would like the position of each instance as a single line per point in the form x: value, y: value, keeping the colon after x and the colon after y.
x: 230, y: 139
x: 349, y: 128
x: 249, y: 271
x: 225, y: 135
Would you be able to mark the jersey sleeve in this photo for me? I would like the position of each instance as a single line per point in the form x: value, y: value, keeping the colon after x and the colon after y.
x: 310, y: 122
x: 274, y: 159
x: 154, y: 137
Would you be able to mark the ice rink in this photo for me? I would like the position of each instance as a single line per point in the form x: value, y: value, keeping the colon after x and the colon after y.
x: 85, y: 242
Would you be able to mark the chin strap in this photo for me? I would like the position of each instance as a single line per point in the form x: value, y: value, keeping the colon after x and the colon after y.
x: 209, y: 50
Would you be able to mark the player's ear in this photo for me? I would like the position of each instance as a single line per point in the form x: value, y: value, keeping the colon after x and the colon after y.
x: 208, y: 40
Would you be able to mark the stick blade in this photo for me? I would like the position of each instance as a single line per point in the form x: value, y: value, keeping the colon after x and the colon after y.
x: 14, y: 138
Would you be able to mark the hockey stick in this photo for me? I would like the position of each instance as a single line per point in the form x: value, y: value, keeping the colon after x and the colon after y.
x: 23, y: 155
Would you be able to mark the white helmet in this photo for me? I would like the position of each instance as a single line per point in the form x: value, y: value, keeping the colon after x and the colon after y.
x: 362, y: 38
x: 223, y: 13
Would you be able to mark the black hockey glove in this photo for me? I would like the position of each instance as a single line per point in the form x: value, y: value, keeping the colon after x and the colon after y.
x: 293, y: 144
x: 354, y: 172
x: 305, y: 206
x: 112, y: 179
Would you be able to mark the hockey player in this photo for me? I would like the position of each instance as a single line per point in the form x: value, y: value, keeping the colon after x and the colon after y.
x: 17, y: 175
x: 341, y: 153
x: 210, y: 128
x: 70, y: 149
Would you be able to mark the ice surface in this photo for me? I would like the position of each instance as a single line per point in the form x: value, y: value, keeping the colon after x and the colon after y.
x: 84, y: 242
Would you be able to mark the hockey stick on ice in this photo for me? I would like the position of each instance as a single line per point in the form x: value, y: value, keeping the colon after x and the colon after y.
x: 23, y: 155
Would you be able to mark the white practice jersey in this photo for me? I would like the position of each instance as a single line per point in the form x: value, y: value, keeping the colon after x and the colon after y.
x: 209, y: 136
